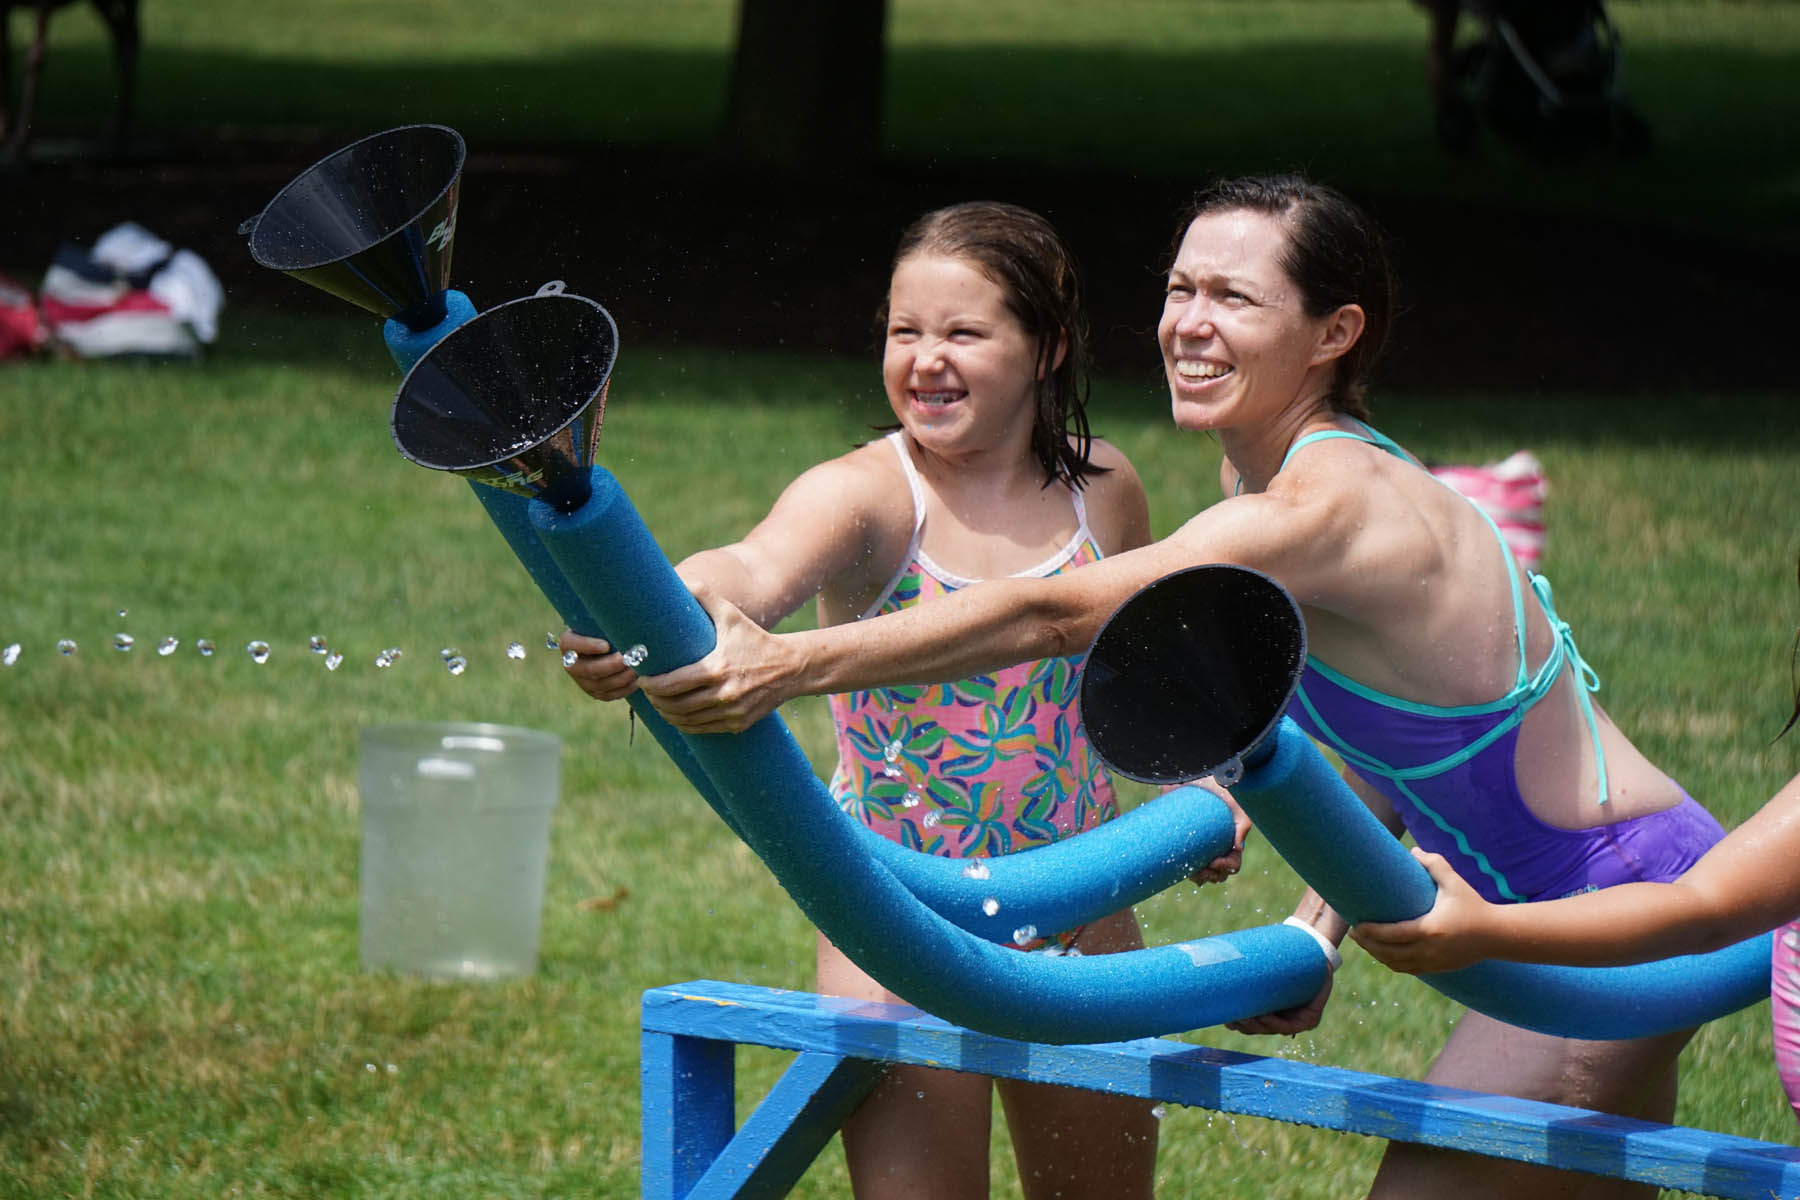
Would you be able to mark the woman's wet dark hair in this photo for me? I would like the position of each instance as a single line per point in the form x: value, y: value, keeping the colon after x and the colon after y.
x: 1335, y: 255
x: 1024, y: 256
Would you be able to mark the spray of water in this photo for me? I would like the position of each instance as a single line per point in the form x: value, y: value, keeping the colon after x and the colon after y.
x: 260, y: 651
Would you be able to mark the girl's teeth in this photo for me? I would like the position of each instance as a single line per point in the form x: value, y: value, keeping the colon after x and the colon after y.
x: 1200, y: 370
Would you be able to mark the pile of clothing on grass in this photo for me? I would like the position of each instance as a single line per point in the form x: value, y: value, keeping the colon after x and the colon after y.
x: 1512, y: 492
x: 131, y: 295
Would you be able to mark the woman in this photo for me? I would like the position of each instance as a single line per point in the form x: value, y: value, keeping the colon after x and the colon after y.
x: 1435, y: 667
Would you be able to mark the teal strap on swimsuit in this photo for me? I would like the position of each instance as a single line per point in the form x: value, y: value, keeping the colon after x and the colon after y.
x: 1370, y: 435
x: 1565, y: 647
x: 1526, y: 691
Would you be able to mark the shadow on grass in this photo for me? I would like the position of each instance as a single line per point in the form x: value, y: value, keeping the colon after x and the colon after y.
x: 596, y: 166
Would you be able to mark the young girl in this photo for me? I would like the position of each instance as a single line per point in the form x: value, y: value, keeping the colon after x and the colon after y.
x: 1744, y: 885
x: 991, y: 472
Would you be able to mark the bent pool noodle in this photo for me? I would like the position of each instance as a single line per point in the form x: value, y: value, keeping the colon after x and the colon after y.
x: 1055, y: 887
x: 1331, y: 839
x: 789, y: 819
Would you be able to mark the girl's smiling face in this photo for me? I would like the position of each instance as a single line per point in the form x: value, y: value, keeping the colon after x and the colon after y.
x: 959, y: 368
x: 1236, y: 340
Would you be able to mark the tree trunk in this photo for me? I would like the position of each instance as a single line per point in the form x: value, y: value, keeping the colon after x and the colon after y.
x: 806, y: 81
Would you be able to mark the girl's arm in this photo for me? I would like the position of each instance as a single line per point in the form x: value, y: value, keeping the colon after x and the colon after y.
x: 827, y: 523
x: 1746, y: 884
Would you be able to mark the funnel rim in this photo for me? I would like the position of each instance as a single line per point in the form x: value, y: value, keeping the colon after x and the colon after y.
x: 462, y: 156
x: 1096, y: 736
x: 612, y: 358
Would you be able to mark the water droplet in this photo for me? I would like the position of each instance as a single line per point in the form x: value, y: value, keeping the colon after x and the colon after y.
x: 990, y: 906
x: 333, y: 661
x: 1024, y: 934
x: 569, y: 657
x: 456, y: 664
x: 893, y: 750
x: 921, y: 1095
x: 66, y: 647
x: 168, y: 645
x: 258, y: 651
x: 634, y: 657
x: 10, y: 655
x: 371, y: 1068
x: 550, y: 641
x: 205, y: 647
x: 123, y: 642
x: 911, y: 801
x: 1160, y: 1111
x: 893, y: 772
x: 515, y: 650
x: 932, y: 818
x: 123, y: 613
x: 317, y: 644
x: 392, y: 1069
x: 384, y: 660
x: 447, y: 653
x: 976, y: 870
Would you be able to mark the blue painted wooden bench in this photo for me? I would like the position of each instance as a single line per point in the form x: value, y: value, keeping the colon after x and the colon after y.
x: 694, y: 1149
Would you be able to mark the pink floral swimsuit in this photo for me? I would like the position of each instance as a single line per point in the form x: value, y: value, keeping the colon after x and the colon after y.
x: 986, y: 766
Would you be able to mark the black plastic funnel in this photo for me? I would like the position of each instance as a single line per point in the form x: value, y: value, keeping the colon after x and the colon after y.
x: 1192, y: 673
x: 372, y: 223
x: 514, y: 397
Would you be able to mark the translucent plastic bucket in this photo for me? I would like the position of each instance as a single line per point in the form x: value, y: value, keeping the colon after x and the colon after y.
x: 455, y: 837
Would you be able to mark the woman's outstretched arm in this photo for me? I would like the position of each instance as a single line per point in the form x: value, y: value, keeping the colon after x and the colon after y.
x: 977, y: 629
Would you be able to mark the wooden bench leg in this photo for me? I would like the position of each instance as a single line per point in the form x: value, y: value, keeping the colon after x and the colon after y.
x: 688, y: 1114
x: 690, y: 1151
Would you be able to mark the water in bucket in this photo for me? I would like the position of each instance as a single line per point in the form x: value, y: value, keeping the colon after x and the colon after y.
x: 455, y: 836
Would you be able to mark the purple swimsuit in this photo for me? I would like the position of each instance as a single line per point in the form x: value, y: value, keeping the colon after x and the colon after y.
x: 1449, y: 772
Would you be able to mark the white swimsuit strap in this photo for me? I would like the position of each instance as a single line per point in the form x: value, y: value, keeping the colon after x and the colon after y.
x: 897, y: 439
x: 915, y: 550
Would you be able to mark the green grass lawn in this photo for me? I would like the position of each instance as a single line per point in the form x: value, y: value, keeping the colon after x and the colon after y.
x: 178, y: 906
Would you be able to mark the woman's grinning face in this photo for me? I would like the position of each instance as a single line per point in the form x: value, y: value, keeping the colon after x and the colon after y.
x: 1236, y: 340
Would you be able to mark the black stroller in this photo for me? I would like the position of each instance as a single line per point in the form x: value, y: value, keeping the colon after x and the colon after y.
x: 1543, y: 74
